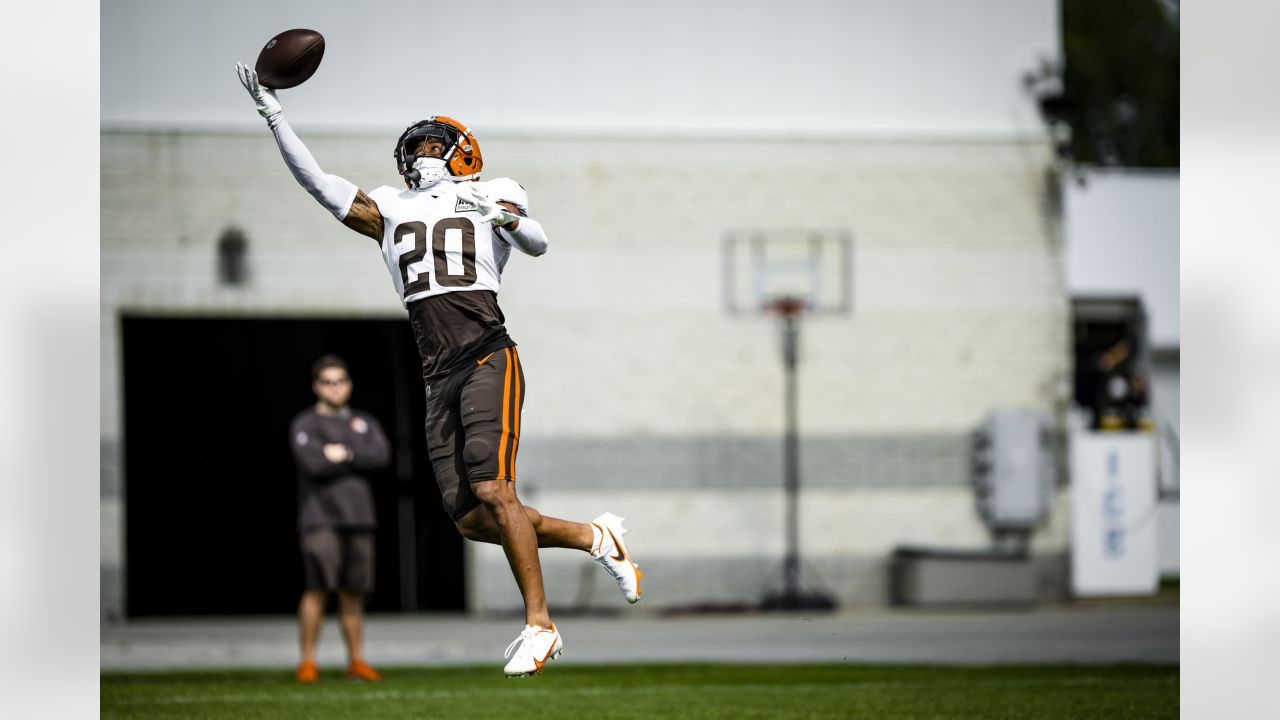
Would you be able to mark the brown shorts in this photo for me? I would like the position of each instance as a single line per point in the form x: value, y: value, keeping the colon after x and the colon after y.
x: 336, y: 559
x: 473, y: 427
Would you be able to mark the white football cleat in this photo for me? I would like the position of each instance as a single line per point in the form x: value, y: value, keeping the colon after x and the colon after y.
x: 612, y: 555
x: 533, y: 648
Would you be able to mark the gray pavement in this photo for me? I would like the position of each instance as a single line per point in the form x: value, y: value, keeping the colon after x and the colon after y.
x: 1058, y: 635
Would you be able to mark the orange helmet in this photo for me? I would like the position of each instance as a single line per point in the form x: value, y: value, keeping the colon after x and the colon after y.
x: 461, y: 151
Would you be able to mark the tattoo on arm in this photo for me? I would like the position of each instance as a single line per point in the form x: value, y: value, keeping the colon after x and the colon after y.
x: 364, y: 217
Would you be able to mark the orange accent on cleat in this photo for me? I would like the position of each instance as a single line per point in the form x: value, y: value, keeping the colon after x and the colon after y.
x: 360, y: 671
x: 595, y: 549
x: 308, y: 672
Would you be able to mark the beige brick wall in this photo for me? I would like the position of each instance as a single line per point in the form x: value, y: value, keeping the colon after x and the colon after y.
x: 959, y: 304
x: 958, y: 299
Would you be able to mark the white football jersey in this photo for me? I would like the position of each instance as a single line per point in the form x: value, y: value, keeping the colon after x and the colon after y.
x: 433, y: 242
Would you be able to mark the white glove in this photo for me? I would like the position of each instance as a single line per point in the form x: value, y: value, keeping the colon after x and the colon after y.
x: 490, y: 211
x: 265, y: 98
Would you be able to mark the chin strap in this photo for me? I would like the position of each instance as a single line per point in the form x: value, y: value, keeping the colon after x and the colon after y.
x: 426, y: 171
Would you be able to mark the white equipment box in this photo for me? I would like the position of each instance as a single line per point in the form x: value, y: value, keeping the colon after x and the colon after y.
x: 1113, y: 514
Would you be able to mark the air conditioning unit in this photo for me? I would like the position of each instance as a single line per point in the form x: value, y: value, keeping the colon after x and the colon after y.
x: 1013, y: 468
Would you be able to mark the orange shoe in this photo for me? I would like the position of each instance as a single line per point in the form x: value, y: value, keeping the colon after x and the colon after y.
x: 358, y: 670
x: 308, y: 672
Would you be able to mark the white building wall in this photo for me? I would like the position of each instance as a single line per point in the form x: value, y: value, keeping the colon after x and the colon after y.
x: 958, y: 308
x: 1121, y: 233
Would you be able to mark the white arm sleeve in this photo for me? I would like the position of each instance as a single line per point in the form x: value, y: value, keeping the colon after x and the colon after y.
x: 528, y: 236
x: 508, y: 190
x: 333, y: 192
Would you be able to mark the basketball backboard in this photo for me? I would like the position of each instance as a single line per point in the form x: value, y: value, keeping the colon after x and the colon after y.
x: 764, y: 266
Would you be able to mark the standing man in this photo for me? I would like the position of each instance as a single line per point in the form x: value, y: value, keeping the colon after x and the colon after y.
x: 335, y: 445
x: 445, y: 239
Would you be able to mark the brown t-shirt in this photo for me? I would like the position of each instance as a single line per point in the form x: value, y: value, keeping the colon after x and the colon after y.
x: 333, y: 494
x: 455, y: 328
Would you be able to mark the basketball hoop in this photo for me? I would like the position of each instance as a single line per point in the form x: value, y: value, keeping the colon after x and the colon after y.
x: 787, y: 306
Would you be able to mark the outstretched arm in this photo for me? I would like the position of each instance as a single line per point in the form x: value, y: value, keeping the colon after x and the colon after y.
x: 337, y: 194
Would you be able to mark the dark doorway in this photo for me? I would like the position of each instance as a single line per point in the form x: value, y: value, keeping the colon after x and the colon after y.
x: 210, y: 487
x: 1111, y: 361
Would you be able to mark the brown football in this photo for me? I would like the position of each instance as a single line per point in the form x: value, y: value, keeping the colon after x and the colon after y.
x: 290, y: 58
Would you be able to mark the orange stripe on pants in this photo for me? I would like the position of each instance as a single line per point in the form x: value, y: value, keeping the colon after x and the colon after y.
x: 515, y: 410
x: 506, y: 410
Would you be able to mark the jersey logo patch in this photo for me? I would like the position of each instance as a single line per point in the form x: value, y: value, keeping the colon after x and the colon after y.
x: 464, y: 206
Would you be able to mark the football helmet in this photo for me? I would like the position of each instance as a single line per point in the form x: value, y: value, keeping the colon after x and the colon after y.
x: 461, y: 151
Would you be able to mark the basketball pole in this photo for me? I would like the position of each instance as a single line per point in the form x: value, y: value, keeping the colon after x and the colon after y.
x: 793, y: 596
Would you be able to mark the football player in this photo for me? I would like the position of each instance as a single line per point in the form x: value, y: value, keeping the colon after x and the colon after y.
x: 445, y: 238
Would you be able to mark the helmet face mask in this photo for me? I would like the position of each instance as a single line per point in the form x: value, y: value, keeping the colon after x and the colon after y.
x: 461, y: 151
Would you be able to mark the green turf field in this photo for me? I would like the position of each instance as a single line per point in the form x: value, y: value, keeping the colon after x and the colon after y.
x: 657, y: 692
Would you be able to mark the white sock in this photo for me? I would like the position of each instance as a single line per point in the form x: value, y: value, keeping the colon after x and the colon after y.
x: 596, y: 538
